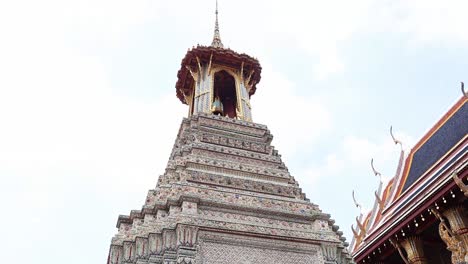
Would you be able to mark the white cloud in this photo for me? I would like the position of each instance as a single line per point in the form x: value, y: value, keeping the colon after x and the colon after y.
x: 41, y: 21
x: 427, y: 21
x: 321, y: 28
x: 70, y: 113
x: 347, y: 168
x: 357, y: 152
x: 328, y: 64
x: 333, y: 163
x: 66, y: 136
x: 353, y: 156
x: 278, y: 104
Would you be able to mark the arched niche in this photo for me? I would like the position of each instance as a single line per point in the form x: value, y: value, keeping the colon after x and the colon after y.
x: 224, y: 88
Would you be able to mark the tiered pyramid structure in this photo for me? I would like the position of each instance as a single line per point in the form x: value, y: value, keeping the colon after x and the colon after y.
x: 226, y: 196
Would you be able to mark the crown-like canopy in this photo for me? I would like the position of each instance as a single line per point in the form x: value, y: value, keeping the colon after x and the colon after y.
x: 215, y: 54
x: 220, y: 56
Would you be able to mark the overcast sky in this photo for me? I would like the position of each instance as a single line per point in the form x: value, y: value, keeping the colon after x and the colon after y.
x: 88, y: 111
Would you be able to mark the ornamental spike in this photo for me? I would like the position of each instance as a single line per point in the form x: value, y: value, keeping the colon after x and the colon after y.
x: 216, y: 37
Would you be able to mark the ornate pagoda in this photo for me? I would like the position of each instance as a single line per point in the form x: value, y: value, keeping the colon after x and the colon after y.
x: 420, y: 215
x: 225, y: 196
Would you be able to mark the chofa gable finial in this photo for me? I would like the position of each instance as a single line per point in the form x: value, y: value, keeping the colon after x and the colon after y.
x: 376, y: 173
x: 463, y: 89
x: 358, y: 205
x: 395, y: 140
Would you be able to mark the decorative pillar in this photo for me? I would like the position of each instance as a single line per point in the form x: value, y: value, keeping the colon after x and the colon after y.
x: 155, y: 243
x: 141, y: 252
x: 455, y: 235
x: 129, y: 251
x: 414, y: 250
x: 169, y: 246
x: 116, y: 254
x: 187, y: 237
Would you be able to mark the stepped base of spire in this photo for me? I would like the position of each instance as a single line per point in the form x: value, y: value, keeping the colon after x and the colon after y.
x: 226, y: 197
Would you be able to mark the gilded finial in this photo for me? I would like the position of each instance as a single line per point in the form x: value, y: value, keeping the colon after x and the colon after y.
x: 216, y: 37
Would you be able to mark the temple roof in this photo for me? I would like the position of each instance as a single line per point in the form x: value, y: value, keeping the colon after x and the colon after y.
x: 445, y: 134
x: 422, y: 172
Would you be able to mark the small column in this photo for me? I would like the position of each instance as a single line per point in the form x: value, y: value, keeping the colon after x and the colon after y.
x: 155, y: 243
x: 129, y: 252
x: 169, y: 246
x: 187, y: 237
x: 414, y: 250
x: 141, y: 244
x: 115, y: 254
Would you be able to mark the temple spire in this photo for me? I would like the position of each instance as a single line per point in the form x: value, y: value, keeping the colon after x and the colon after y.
x: 216, y: 37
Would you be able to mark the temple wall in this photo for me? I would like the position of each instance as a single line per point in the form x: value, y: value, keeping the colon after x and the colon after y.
x: 228, y: 249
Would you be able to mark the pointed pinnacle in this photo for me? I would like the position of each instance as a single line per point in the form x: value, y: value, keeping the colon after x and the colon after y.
x: 216, y: 37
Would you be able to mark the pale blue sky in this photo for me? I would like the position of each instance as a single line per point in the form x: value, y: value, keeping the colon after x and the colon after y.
x: 88, y: 112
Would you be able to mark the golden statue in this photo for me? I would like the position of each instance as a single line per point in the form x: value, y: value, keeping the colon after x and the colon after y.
x: 454, y: 245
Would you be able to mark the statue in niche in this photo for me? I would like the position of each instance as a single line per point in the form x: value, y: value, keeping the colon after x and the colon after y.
x: 217, y: 106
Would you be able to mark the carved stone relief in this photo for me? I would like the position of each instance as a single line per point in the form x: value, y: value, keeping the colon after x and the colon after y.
x: 229, y: 182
